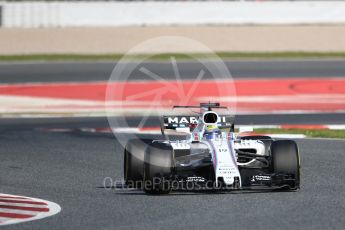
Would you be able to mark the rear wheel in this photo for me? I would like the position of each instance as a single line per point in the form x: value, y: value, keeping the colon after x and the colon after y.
x: 158, y: 168
x: 134, y: 161
x: 285, y: 160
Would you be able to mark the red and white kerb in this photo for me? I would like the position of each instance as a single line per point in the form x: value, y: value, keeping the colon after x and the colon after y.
x: 16, y: 209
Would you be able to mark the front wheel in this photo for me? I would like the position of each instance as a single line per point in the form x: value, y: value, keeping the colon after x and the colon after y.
x: 134, y: 161
x: 285, y: 160
x: 158, y: 168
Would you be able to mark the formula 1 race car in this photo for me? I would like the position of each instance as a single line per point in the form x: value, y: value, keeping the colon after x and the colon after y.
x: 210, y: 156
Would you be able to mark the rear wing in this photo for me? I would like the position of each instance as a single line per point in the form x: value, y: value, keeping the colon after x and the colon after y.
x: 209, y: 106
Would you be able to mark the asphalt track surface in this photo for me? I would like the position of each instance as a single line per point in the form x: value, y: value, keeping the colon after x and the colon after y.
x: 101, y: 71
x: 69, y: 167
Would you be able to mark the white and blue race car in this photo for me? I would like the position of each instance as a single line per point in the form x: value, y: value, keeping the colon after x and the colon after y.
x: 210, y: 156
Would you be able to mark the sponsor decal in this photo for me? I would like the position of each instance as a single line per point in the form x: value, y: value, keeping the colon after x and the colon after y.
x: 258, y: 178
x: 190, y: 119
x: 195, y: 179
x: 223, y: 150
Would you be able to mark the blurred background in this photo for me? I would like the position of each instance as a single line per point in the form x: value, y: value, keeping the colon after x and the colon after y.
x: 293, y: 49
x: 100, y: 27
x: 287, y: 65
